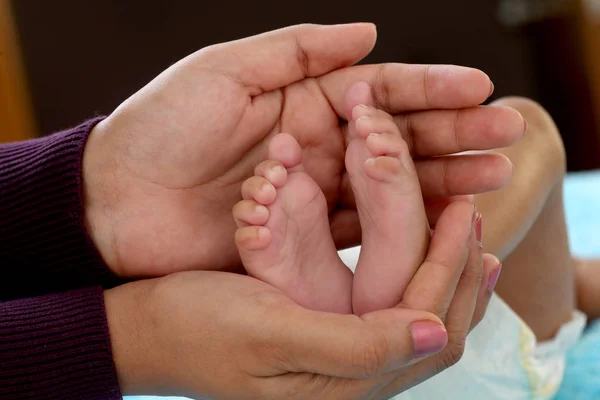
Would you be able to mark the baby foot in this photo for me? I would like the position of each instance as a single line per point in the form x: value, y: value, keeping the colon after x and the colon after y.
x: 395, y: 231
x: 284, y: 237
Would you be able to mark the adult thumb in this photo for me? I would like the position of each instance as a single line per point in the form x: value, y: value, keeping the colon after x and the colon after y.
x: 348, y: 346
x: 278, y: 58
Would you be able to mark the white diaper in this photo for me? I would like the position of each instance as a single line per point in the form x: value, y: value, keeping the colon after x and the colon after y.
x: 502, y: 358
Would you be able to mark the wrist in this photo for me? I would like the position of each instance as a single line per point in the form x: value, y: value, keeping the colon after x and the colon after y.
x: 97, y: 175
x: 133, y: 337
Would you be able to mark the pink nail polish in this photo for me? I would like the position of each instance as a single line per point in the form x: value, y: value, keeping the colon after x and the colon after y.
x: 479, y: 230
x: 428, y: 338
x: 494, y: 278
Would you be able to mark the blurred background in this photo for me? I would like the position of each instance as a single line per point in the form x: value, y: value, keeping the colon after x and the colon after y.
x: 64, y: 61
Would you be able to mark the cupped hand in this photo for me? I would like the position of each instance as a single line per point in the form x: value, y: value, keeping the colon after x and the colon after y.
x: 206, y: 334
x: 163, y: 171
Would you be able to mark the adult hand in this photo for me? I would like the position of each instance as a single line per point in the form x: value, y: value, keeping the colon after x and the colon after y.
x: 162, y: 172
x: 227, y: 336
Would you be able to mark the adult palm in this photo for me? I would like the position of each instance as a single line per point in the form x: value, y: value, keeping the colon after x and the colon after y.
x: 164, y: 170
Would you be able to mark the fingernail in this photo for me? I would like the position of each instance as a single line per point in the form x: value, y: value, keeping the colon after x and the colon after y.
x: 474, y: 217
x: 494, y: 278
x: 491, y: 88
x: 428, y: 338
x: 479, y: 229
x: 265, y: 187
x: 524, y: 125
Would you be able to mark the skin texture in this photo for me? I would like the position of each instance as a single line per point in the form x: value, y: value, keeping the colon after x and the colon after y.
x: 163, y: 171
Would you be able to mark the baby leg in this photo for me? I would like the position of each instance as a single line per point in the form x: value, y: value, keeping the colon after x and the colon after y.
x: 524, y: 225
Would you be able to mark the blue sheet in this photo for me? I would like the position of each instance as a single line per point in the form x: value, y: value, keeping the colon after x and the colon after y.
x: 582, y: 203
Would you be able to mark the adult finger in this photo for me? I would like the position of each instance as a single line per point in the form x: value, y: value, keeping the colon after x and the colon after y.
x: 462, y: 306
x: 458, y: 322
x: 434, y: 284
x: 491, y: 271
x: 440, y: 132
x: 404, y: 87
x: 345, y: 223
x: 457, y: 263
x: 464, y: 174
x: 449, y: 176
x: 278, y: 58
x: 435, y: 207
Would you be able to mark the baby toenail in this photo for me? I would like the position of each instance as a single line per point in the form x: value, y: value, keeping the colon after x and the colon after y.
x: 359, y: 107
x: 262, y: 232
x: 277, y: 169
x: 261, y: 210
x: 370, y: 161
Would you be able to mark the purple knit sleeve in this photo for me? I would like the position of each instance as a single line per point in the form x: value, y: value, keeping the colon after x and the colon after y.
x: 44, y: 247
x: 54, y: 340
x: 56, y: 347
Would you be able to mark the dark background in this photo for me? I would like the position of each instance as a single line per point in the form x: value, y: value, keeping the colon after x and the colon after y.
x: 85, y: 57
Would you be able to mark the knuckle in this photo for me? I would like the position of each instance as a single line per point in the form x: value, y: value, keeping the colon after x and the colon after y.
x: 452, y: 354
x: 302, y: 58
x: 381, y: 91
x: 426, y: 299
x: 439, y: 264
x: 473, y: 273
x: 426, y: 89
x: 456, y: 129
x: 370, y: 354
x: 265, y: 345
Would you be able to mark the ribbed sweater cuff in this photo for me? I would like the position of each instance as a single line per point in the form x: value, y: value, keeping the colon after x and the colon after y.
x: 57, y: 347
x: 41, y: 217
